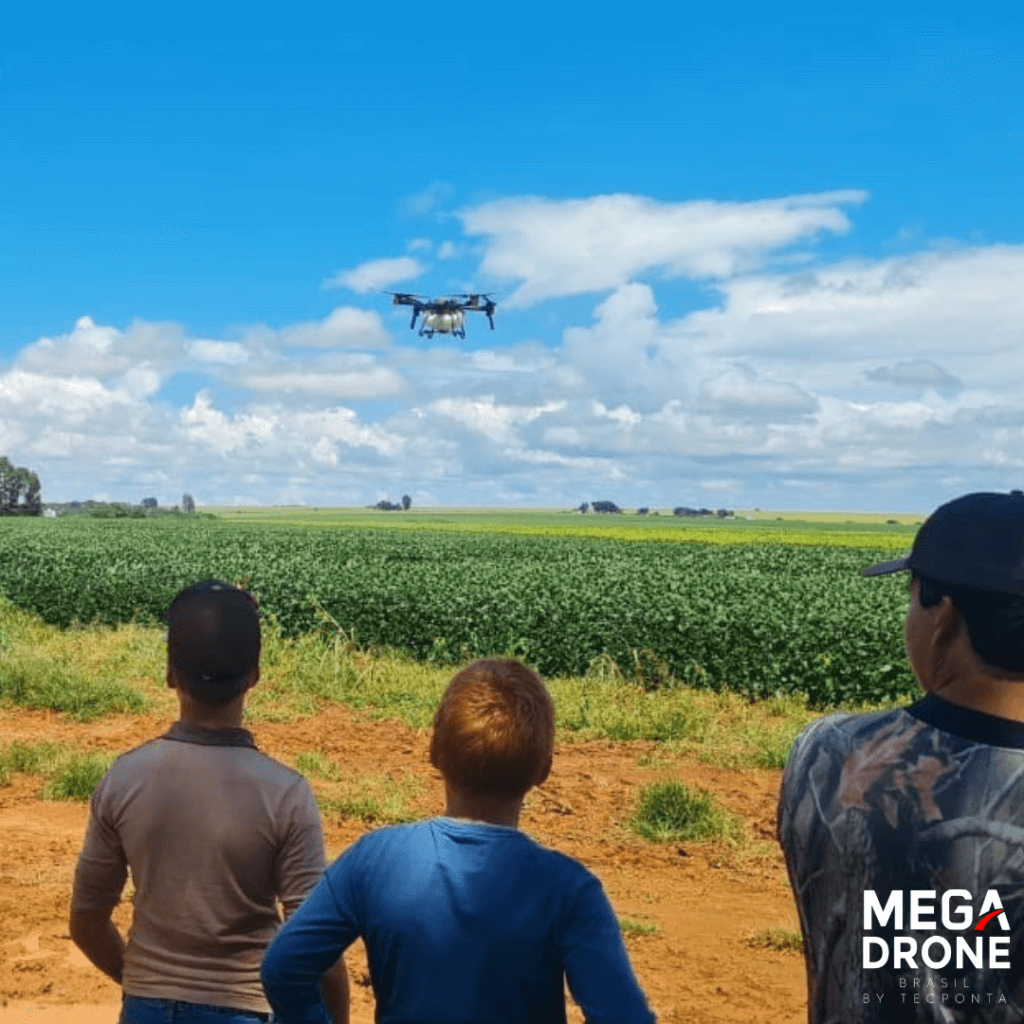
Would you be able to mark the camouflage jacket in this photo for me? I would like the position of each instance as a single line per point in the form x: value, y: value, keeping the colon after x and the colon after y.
x: 922, y: 806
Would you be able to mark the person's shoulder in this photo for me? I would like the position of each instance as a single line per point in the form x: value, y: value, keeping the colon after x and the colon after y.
x: 130, y: 760
x: 157, y: 750
x: 281, y: 784
x: 840, y: 730
x: 277, y: 771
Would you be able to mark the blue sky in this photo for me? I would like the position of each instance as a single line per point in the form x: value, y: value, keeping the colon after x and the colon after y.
x: 745, y: 257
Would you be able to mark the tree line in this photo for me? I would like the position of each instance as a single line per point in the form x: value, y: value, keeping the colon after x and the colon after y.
x: 147, y: 508
x: 387, y: 506
x: 21, y: 495
x: 610, y: 508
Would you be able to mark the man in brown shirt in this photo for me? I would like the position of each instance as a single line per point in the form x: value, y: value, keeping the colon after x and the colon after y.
x: 215, y: 833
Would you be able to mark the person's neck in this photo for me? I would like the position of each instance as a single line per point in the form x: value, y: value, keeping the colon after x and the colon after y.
x: 490, y: 810
x: 202, y: 716
x: 991, y: 696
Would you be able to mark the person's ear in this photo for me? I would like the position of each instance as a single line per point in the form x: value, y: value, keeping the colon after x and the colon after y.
x: 948, y: 621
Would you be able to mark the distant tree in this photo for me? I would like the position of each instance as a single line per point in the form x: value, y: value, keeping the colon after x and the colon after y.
x: 683, y: 510
x: 642, y: 511
x: 188, y: 505
x: 19, y: 490
x: 148, y: 503
x: 605, y: 507
x: 33, y: 501
x: 723, y: 513
x: 387, y: 506
x: 406, y: 502
x: 583, y: 509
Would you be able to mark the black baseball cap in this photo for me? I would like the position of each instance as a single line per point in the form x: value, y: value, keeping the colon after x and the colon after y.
x: 214, y: 637
x: 976, y: 541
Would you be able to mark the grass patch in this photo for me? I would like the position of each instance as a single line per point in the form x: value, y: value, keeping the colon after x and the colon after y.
x: 39, y: 683
x: 630, y: 927
x: 316, y: 765
x: 375, y: 799
x: 76, y: 777
x: 31, y: 758
x: 783, y: 940
x: 69, y: 774
x: 671, y: 812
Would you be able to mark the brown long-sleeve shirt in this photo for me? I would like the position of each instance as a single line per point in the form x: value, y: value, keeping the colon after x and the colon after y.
x: 214, y: 832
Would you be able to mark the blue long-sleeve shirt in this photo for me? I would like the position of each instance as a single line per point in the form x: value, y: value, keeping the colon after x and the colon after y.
x: 463, y: 922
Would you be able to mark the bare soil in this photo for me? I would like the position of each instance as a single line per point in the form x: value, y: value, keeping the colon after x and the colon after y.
x: 700, y: 968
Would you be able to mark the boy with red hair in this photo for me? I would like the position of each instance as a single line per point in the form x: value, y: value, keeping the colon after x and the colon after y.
x: 464, y: 917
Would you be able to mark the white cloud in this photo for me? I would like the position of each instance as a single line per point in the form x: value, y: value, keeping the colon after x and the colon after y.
x: 491, y: 419
x: 341, y: 424
x: 223, y: 434
x: 344, y: 326
x: 915, y: 373
x: 227, y: 353
x: 435, y: 194
x: 569, y: 247
x: 376, y: 274
x: 102, y: 351
x: 623, y: 414
x: 740, y: 391
x: 951, y: 307
x: 419, y: 245
x: 70, y: 399
x: 378, y: 382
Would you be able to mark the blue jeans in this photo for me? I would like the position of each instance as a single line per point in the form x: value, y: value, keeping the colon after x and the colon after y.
x: 168, y: 1011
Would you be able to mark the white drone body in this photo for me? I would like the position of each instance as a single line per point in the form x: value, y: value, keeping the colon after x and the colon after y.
x: 444, y: 323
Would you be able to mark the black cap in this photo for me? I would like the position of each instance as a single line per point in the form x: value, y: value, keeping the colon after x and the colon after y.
x: 976, y: 541
x: 214, y: 635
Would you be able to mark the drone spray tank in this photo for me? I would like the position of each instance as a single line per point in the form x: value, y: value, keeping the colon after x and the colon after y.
x: 444, y: 323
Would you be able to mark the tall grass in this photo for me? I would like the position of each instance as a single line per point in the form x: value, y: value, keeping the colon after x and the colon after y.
x: 670, y: 812
x: 69, y: 773
x: 89, y: 672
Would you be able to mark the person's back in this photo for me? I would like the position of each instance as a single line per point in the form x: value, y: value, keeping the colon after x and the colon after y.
x: 206, y: 872
x: 216, y: 835
x: 465, y: 918
x: 903, y: 830
x: 922, y: 802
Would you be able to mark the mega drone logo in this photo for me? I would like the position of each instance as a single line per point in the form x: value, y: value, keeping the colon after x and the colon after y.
x: 936, y: 951
x: 956, y: 912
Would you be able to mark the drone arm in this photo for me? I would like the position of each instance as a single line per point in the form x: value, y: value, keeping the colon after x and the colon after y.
x: 415, y: 313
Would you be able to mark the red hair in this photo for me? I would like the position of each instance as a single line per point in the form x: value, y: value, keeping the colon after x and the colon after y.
x: 494, y: 731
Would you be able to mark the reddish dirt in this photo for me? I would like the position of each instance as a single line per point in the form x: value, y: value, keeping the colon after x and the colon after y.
x: 699, y: 968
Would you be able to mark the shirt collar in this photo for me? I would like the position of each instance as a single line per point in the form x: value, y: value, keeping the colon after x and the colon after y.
x: 229, y: 737
x: 968, y: 724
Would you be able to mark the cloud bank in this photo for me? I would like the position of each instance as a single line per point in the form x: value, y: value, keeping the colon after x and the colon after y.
x: 860, y: 383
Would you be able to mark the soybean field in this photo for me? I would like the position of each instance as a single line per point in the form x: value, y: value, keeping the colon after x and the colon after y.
x: 757, y: 617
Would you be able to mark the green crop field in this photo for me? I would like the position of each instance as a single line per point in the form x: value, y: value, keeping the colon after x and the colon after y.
x: 842, y: 529
x: 759, y: 608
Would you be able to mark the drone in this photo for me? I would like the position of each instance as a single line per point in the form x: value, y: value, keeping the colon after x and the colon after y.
x: 446, y: 315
